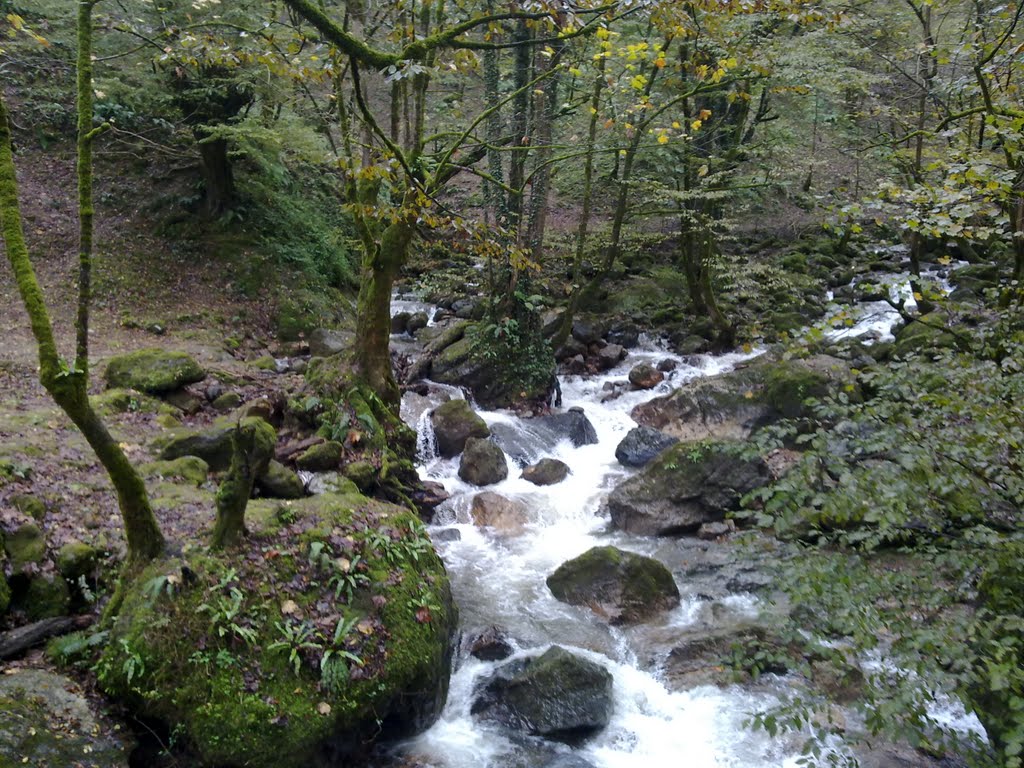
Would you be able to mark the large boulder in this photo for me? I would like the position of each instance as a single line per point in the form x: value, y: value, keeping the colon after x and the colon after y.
x: 154, y: 371
x: 623, y: 587
x: 279, y: 482
x: 212, y: 445
x: 242, y: 655
x: 324, y: 342
x: 733, y: 405
x: 558, y: 695
x: 685, y: 486
x: 49, y: 722
x: 641, y: 444
x: 483, y: 462
x: 528, y: 440
x: 546, y: 472
x: 454, y: 423
x: 322, y: 457
x: 507, y: 517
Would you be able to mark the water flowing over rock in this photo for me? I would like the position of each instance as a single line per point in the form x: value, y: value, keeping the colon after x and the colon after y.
x: 546, y: 472
x: 641, y: 444
x: 558, y: 695
x: 505, y: 516
x: 528, y: 440
x: 621, y: 586
x: 685, y: 487
x: 483, y: 463
x: 454, y: 423
x: 645, y: 376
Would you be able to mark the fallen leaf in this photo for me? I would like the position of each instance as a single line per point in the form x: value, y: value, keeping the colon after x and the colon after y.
x: 323, y: 708
x: 289, y: 607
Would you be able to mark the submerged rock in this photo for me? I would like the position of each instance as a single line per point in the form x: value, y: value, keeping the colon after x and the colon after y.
x: 621, y: 586
x: 490, y: 644
x: 483, y: 463
x: 641, y: 444
x: 546, y: 472
x: 558, y: 695
x: 685, y: 486
x: 49, y: 723
x: 153, y: 371
x: 507, y: 517
x: 454, y: 423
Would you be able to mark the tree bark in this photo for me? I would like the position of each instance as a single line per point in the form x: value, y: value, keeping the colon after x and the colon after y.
x: 252, y: 447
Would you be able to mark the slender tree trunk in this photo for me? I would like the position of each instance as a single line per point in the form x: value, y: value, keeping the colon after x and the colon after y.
x: 85, y: 203
x: 69, y: 387
x: 218, y: 177
x: 520, y: 122
x: 252, y: 446
x: 496, y: 201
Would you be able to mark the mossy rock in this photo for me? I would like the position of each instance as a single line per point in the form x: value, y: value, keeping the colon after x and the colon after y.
x: 30, y: 505
x: 76, y: 559
x: 5, y: 594
x: 153, y: 371
x: 227, y: 402
x: 926, y: 335
x: 362, y: 473
x: 454, y: 423
x: 321, y: 457
x: 25, y: 545
x: 120, y: 400
x: 48, y: 722
x: 279, y: 482
x: 212, y: 445
x: 46, y: 596
x: 191, y: 469
x: 621, y: 586
x: 787, y: 385
x: 265, y: 363
x: 224, y: 678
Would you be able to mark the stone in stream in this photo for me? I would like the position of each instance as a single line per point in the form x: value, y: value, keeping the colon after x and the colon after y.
x: 482, y: 463
x: 685, y: 486
x: 568, y: 761
x: 609, y: 356
x: 530, y: 439
x: 48, y: 722
x: 558, y: 695
x: 454, y: 423
x: 490, y: 644
x: 623, y: 587
x: 645, y: 376
x: 641, y: 444
x: 505, y: 516
x: 546, y: 472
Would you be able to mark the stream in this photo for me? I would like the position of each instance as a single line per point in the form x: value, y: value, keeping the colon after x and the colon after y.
x: 500, y: 581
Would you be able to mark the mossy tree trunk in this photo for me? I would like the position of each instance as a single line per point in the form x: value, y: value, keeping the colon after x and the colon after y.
x: 66, y: 384
x: 252, y: 447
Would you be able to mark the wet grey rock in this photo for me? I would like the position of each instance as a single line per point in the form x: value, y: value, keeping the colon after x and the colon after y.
x: 482, y: 463
x: 492, y: 510
x: 324, y: 342
x: 587, y: 331
x: 532, y: 439
x: 417, y: 322
x: 641, y: 445
x: 569, y: 761
x: 400, y: 322
x: 558, y: 695
x: 454, y: 423
x: 610, y: 355
x: 490, y: 644
x: 546, y: 472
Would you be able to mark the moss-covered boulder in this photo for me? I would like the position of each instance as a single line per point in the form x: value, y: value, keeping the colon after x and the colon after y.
x: 48, y: 722
x: 685, y: 486
x: 362, y: 473
x: 30, y: 505
x: 153, y: 371
x: 454, y: 423
x: 25, y: 545
x: 621, y: 586
x: 929, y: 334
x: 321, y: 457
x: 226, y: 401
x: 212, y: 445
x: 120, y: 400
x: 46, y: 595
x: 331, y: 628
x: 735, y: 404
x: 191, y: 469
x: 482, y: 463
x: 279, y: 482
x: 76, y: 559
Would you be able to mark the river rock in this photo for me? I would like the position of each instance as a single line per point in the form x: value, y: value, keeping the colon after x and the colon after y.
x: 609, y: 356
x: 454, y: 423
x: 587, y: 331
x: 25, y: 546
x: 48, y: 722
x: 621, y: 586
x: 529, y: 440
x: 558, y: 695
x: 505, y: 516
x: 645, y: 376
x: 573, y: 424
x: 212, y: 445
x: 400, y: 322
x: 684, y: 487
x: 546, y: 472
x: 568, y: 761
x: 640, y: 445
x: 483, y: 463
x: 279, y: 482
x: 324, y: 342
x: 154, y: 371
x: 733, y: 405
x: 417, y: 322
x: 490, y: 644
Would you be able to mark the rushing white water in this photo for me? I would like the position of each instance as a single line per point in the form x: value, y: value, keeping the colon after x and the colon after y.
x: 501, y: 581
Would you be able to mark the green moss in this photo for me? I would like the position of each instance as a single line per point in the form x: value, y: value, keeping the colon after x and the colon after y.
x: 76, y: 559
x: 321, y: 457
x: 153, y: 371
x: 47, y: 595
x: 119, y: 400
x: 191, y: 469
x: 787, y: 385
x: 25, y: 545
x: 5, y: 594
x: 30, y: 505
x: 265, y: 363
x: 237, y: 698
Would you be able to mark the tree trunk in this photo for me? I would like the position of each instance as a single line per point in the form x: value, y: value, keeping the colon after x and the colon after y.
x: 218, y: 178
x: 69, y: 387
x: 252, y: 447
